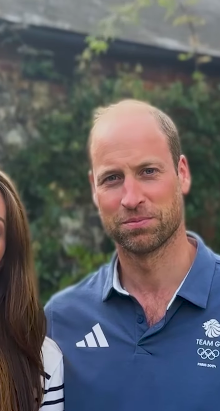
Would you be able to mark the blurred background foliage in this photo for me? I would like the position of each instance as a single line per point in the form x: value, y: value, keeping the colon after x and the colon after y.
x: 51, y: 170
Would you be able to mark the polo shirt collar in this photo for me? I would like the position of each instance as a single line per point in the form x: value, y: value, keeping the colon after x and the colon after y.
x: 197, y: 284
x: 108, y: 286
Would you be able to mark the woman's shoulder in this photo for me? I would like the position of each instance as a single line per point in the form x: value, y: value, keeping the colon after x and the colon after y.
x: 52, y: 355
x: 53, y: 399
x: 49, y: 346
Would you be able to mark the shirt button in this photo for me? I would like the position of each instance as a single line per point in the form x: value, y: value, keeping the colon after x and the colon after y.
x: 140, y: 319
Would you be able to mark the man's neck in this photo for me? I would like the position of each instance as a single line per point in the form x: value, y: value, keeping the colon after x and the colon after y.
x: 159, y: 272
x: 153, y: 279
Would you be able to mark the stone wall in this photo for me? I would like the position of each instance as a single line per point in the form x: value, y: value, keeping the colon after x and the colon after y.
x: 22, y: 103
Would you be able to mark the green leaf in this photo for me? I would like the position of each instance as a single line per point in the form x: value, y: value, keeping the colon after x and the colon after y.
x: 185, y: 56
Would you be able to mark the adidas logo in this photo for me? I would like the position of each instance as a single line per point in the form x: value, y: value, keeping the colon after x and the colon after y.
x: 95, y: 338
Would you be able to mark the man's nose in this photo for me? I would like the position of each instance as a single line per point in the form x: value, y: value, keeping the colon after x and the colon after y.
x: 132, y: 194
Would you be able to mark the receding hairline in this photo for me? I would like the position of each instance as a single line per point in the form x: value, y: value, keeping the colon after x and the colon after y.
x: 165, y: 123
x: 101, y: 113
x: 129, y: 103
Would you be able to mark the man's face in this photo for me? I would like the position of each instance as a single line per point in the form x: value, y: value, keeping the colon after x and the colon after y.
x: 135, y: 185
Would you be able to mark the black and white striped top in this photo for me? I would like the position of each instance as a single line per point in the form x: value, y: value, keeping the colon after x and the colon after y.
x: 53, y: 399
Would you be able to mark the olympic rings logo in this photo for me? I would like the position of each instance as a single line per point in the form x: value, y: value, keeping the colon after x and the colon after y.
x: 208, y: 354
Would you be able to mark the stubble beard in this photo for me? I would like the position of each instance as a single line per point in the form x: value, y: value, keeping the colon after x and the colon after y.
x: 143, y: 241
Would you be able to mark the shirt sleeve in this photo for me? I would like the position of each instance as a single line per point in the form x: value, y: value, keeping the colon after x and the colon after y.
x: 53, y: 399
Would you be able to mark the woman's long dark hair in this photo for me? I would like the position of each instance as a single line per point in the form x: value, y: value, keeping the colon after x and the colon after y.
x: 22, y: 320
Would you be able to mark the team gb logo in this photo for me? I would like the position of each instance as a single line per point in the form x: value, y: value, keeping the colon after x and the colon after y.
x: 212, y: 328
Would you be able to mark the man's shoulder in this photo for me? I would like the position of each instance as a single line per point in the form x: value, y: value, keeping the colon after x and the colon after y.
x: 91, y: 286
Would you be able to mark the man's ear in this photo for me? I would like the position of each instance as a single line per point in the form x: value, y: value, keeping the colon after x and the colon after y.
x: 184, y: 175
x: 92, y: 185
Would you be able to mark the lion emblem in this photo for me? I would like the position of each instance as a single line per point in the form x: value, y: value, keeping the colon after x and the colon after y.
x: 212, y: 328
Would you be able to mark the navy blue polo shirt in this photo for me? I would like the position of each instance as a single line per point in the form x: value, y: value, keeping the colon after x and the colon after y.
x: 115, y: 362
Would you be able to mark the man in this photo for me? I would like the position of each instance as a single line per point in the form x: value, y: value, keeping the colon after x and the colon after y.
x: 143, y: 333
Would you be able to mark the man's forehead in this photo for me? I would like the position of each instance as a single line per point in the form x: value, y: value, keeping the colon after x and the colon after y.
x: 117, y: 127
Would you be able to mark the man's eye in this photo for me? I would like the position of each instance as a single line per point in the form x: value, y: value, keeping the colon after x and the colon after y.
x: 114, y: 177
x: 149, y: 171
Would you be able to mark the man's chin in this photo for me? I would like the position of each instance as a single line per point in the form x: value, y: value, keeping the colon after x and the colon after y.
x: 137, y: 232
x: 143, y: 235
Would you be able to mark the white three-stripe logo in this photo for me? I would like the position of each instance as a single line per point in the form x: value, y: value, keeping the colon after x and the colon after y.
x: 95, y: 338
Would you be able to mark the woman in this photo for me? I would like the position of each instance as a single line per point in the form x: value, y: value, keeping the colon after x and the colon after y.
x: 31, y: 367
